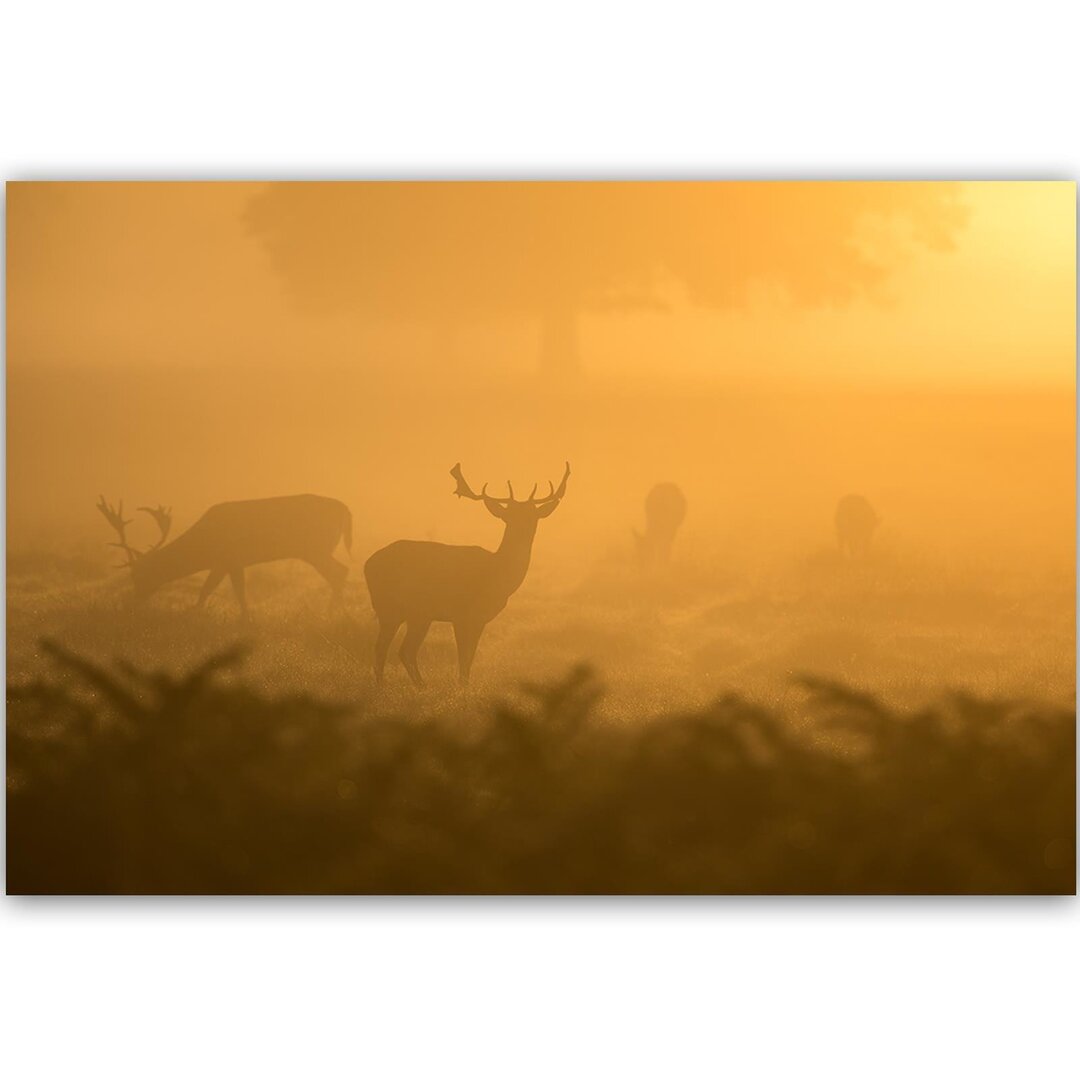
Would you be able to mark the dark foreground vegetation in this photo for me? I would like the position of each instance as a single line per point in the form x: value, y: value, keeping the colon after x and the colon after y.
x: 126, y: 781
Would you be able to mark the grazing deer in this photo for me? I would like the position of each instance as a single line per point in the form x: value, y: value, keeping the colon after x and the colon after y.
x: 418, y: 582
x: 234, y: 535
x: 665, y: 509
x: 855, y: 525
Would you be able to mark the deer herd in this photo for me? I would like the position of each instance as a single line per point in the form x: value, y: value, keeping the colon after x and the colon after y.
x: 410, y: 582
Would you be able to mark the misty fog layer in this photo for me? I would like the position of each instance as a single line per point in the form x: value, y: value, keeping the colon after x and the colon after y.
x: 971, y: 569
x: 768, y: 349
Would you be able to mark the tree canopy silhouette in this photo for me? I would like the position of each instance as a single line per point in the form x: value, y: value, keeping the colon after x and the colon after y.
x: 455, y: 251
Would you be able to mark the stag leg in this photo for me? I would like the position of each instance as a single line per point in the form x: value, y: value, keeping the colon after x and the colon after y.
x: 387, y: 630
x: 213, y: 580
x: 237, y: 578
x: 467, y: 636
x: 410, y: 648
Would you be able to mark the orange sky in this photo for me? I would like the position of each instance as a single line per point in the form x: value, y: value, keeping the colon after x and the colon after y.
x: 169, y: 274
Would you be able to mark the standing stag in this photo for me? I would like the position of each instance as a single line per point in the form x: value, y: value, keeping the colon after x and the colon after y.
x: 855, y: 525
x: 235, y: 535
x: 665, y: 509
x: 418, y: 582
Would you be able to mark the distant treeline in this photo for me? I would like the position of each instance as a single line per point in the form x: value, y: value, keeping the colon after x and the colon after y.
x: 124, y: 781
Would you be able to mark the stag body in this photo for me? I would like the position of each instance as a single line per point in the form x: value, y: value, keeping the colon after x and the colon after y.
x: 665, y: 510
x: 855, y: 525
x: 418, y: 582
x: 232, y: 536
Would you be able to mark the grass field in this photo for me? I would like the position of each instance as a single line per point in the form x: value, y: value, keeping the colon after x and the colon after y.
x: 963, y: 615
x: 901, y: 628
x: 833, y: 727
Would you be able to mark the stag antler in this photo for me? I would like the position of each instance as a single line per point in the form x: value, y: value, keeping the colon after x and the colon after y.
x: 562, y: 486
x: 552, y: 495
x: 463, y: 489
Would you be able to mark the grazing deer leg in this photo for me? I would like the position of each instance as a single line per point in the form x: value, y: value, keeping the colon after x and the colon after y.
x: 410, y: 648
x: 237, y: 578
x: 387, y: 630
x: 335, y: 574
x: 213, y: 580
x: 467, y: 636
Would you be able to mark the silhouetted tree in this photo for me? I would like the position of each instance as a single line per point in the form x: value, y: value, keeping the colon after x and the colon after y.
x: 453, y: 251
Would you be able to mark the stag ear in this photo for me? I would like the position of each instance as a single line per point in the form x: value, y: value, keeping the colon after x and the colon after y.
x: 549, y: 509
x: 495, y: 508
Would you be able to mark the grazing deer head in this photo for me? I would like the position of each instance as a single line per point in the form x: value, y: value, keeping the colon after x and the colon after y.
x: 418, y: 582
x: 115, y: 517
x: 162, y: 515
x: 665, y: 510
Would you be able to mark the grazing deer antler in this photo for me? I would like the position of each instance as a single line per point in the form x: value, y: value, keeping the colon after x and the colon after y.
x: 115, y: 517
x: 163, y: 516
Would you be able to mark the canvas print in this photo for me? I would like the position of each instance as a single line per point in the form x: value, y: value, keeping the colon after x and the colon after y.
x: 541, y: 538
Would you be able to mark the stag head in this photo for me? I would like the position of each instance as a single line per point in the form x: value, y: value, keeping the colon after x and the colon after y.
x: 510, y: 509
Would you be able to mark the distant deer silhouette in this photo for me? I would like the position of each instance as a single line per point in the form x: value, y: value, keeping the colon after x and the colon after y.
x: 418, y: 582
x: 665, y: 510
x: 235, y: 535
x: 855, y: 525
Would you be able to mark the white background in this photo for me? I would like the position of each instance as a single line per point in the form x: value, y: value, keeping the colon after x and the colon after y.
x: 595, y: 988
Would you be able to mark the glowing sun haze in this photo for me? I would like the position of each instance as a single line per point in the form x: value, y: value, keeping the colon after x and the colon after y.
x: 164, y: 273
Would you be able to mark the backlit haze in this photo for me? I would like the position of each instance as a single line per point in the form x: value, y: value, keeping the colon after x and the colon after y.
x: 769, y: 347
